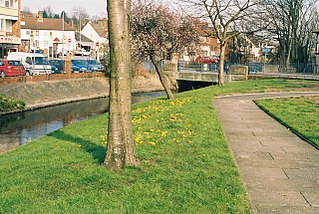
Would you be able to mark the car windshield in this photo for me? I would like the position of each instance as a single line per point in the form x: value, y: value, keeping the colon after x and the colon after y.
x: 79, y: 62
x: 15, y: 63
x: 93, y: 62
x: 41, y: 61
x: 56, y: 62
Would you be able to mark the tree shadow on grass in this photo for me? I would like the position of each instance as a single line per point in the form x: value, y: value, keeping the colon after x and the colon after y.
x: 97, y: 151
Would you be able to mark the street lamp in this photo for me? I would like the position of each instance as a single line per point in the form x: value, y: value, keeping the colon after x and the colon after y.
x: 77, y: 12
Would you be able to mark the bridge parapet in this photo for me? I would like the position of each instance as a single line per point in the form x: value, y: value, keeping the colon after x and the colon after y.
x: 199, y: 76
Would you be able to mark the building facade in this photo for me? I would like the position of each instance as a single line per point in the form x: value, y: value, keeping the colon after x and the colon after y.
x: 97, y: 32
x: 9, y: 26
x: 52, y: 36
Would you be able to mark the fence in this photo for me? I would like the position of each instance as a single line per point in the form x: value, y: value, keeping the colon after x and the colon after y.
x: 52, y: 77
x: 253, y: 68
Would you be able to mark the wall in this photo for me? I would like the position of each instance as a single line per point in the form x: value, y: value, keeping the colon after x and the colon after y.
x: 45, y: 93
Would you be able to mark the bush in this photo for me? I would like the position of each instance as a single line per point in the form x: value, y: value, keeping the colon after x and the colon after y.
x: 9, y: 104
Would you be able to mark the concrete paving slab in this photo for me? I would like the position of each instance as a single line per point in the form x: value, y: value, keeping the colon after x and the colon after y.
x: 310, y: 172
x: 286, y: 209
x: 306, y: 185
x: 279, y: 198
x: 263, y: 173
x: 305, y: 149
x: 279, y: 170
x: 312, y: 198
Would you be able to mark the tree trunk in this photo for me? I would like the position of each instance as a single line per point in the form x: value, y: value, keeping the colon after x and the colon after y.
x: 120, y: 149
x: 163, y: 78
x: 221, y: 64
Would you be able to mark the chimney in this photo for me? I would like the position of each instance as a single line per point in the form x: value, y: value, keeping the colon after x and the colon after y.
x: 40, y: 16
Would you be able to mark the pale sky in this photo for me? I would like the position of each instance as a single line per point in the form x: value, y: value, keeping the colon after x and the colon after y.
x: 92, y: 7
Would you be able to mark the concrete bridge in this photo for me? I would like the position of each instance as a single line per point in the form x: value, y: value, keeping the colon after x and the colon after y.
x: 211, y: 77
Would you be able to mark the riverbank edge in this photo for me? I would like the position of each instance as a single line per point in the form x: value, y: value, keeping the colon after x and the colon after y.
x: 140, y: 84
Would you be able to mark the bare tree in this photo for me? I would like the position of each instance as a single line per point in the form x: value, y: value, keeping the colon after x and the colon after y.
x: 48, y: 12
x: 79, y: 16
x: 292, y: 22
x: 227, y: 18
x: 157, y: 33
x: 120, y: 148
x: 26, y: 9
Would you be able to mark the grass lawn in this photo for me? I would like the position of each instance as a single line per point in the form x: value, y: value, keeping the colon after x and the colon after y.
x: 185, y: 163
x: 301, y: 114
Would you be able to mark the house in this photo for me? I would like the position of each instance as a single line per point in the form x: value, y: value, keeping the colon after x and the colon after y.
x: 9, y: 26
x: 52, y: 36
x: 97, y: 32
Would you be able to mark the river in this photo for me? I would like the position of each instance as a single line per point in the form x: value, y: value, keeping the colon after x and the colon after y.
x: 21, y: 128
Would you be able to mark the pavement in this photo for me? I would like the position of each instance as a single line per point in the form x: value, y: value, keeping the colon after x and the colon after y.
x: 279, y: 170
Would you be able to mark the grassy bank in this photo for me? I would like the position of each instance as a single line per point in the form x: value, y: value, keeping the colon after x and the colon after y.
x: 8, y: 104
x: 185, y: 164
x: 300, y: 114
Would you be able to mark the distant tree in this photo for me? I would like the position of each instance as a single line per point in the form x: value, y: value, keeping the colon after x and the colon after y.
x: 120, y: 149
x: 45, y: 15
x: 65, y: 16
x: 48, y: 12
x: 227, y: 18
x: 26, y: 9
x: 79, y: 17
x: 292, y: 23
x: 56, y: 16
x: 157, y: 32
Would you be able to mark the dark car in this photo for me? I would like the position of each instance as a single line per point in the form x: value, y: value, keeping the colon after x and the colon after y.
x: 81, y: 64
x: 58, y: 66
x: 11, y: 68
x: 94, y: 65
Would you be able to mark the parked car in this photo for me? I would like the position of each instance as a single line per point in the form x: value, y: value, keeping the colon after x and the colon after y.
x: 82, y: 52
x: 11, y: 68
x: 94, y: 65
x: 58, y: 66
x: 81, y: 64
x: 33, y: 63
x: 207, y: 60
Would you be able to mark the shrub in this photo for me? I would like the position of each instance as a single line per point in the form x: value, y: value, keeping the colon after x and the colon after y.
x: 9, y: 104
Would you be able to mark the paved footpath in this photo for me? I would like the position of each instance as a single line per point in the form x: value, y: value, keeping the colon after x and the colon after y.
x: 279, y: 170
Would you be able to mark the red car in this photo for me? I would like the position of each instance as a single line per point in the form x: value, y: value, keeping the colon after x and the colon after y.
x: 11, y: 68
x: 207, y: 60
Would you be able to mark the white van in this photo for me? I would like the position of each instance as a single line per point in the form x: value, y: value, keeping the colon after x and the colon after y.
x: 34, y: 63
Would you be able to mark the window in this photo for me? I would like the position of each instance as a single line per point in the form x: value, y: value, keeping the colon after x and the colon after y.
x: 28, y: 60
x: 36, y: 42
x: 2, y: 25
x: 7, y: 3
x: 8, y: 25
x: 37, y: 33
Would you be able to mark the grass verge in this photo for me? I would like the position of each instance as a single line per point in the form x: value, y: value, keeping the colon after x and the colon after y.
x: 185, y: 167
x: 301, y: 114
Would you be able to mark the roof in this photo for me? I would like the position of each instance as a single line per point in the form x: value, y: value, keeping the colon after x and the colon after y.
x: 100, y: 27
x: 83, y: 38
x: 46, y: 24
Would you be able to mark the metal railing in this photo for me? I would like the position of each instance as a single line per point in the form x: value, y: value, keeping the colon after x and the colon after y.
x: 253, y: 68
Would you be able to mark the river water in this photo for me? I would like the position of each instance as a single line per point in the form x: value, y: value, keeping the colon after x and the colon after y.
x: 21, y: 128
